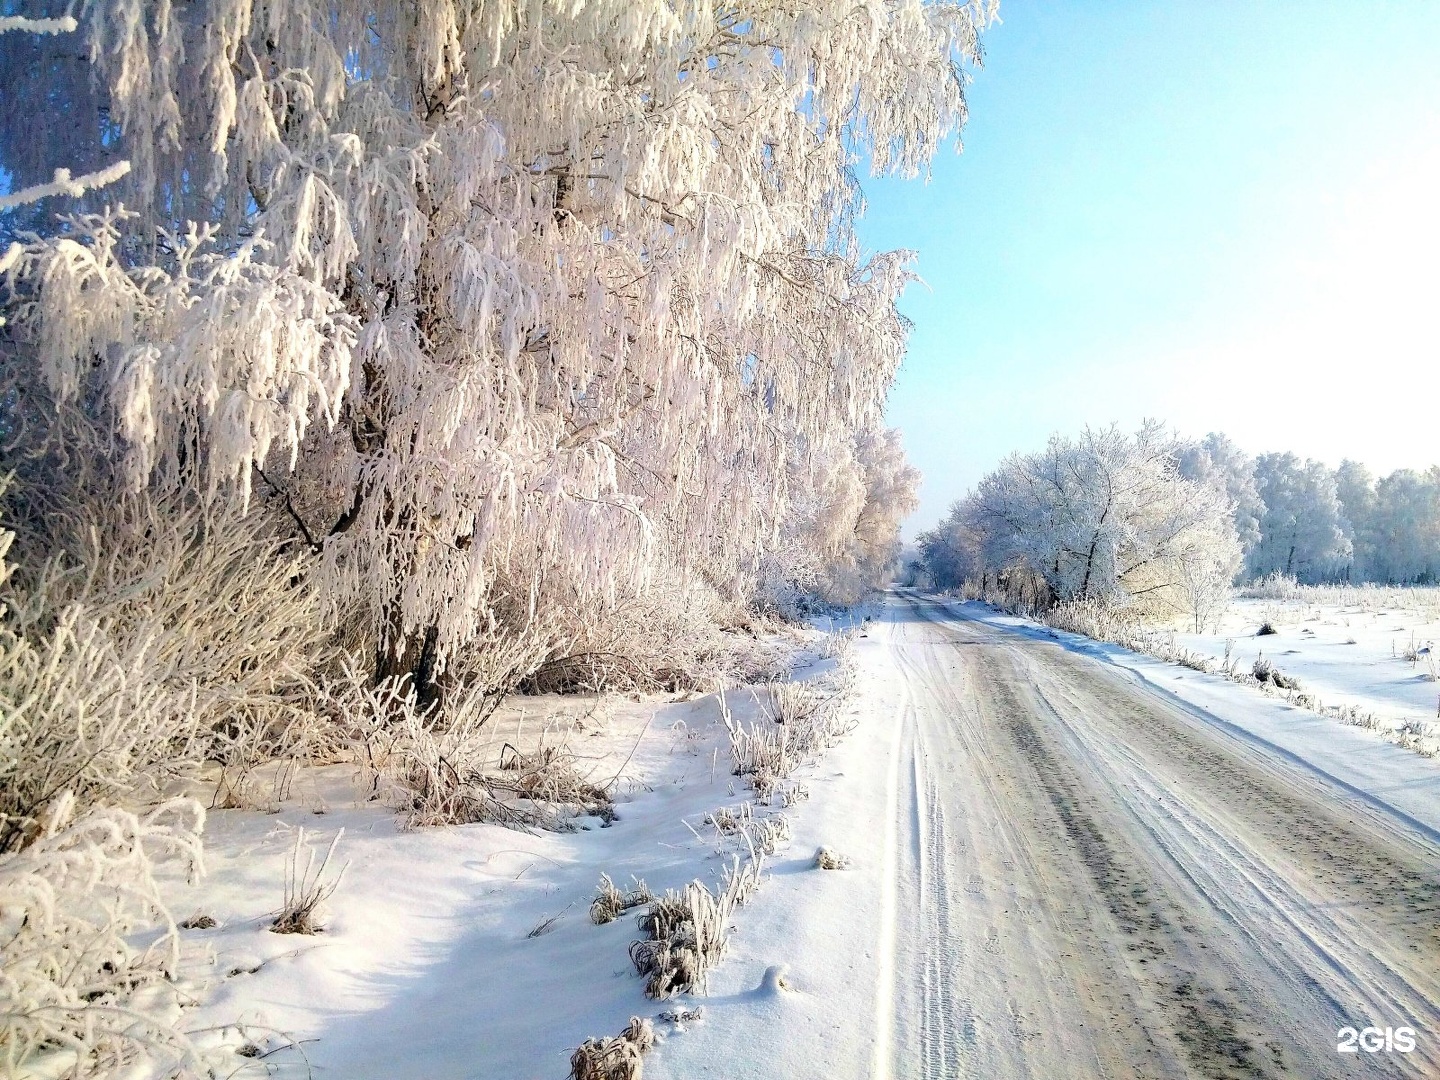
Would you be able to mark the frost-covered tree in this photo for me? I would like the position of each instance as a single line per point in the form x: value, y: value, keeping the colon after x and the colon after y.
x: 1216, y: 460
x: 843, y: 535
x: 1302, y: 532
x: 1104, y: 515
x: 1355, y: 488
x: 1404, y: 528
x: 490, y: 301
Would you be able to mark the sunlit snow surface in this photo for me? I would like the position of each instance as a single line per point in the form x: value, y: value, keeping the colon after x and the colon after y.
x: 425, y: 972
x: 424, y: 968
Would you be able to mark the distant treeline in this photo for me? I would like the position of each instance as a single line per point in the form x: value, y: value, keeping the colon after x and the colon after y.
x: 1317, y: 524
x: 1172, y: 521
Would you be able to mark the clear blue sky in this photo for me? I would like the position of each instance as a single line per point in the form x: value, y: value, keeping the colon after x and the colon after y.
x: 1220, y: 214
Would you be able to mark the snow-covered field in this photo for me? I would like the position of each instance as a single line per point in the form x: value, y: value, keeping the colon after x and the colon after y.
x: 1369, y: 653
x: 1376, y: 655
x: 468, y: 951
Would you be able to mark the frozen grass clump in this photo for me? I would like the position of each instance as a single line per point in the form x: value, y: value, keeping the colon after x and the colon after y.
x: 79, y: 995
x: 839, y: 644
x: 618, y: 1058
x: 141, y: 636
x: 610, y: 902
x: 1265, y: 672
x: 805, y: 722
x: 765, y: 835
x: 686, y: 931
x: 306, y: 888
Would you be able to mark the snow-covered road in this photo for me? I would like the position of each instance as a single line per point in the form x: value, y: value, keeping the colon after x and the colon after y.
x: 1093, y: 880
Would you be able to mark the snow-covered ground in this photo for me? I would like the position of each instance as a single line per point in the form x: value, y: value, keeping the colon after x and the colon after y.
x: 468, y: 951
x: 1377, y: 657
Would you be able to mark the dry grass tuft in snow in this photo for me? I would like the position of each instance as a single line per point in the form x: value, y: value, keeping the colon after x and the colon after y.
x: 765, y: 835
x: 610, y: 903
x: 451, y: 775
x: 1264, y: 671
x: 306, y: 888
x: 619, y: 1058
x: 687, y: 931
x: 807, y: 720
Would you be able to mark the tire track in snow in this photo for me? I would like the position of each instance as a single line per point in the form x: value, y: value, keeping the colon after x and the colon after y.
x: 1078, y: 896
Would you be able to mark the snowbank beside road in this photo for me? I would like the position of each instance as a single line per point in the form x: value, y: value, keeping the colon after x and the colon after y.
x: 826, y: 928
x: 457, y: 952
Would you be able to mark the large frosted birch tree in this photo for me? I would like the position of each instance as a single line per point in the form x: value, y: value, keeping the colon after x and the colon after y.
x: 487, y: 298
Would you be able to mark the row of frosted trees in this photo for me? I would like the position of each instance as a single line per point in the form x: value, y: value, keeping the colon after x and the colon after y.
x: 1304, y: 520
x: 1105, y: 516
x: 1171, y: 523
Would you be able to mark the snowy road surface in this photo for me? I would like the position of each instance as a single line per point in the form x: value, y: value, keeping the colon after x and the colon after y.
x: 1092, y: 880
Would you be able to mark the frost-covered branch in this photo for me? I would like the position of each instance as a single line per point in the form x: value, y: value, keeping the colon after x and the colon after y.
x: 64, y: 184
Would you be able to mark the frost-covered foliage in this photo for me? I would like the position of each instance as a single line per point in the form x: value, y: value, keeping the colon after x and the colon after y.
x: 1303, y: 521
x: 1103, y: 516
x: 1218, y: 461
x: 1294, y: 519
x: 1394, y: 524
x: 842, y: 538
x: 138, y: 637
x: 78, y: 996
x: 503, y: 298
x: 1302, y: 531
x: 456, y: 342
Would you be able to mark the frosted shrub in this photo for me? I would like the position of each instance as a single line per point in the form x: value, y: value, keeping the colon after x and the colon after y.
x: 140, y: 637
x: 76, y: 992
x: 78, y: 716
x: 687, y: 931
x: 1273, y: 586
x: 678, y: 634
x: 619, y: 1058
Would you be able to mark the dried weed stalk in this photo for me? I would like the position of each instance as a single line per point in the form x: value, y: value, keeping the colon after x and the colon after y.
x: 306, y: 888
x: 619, y: 1058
